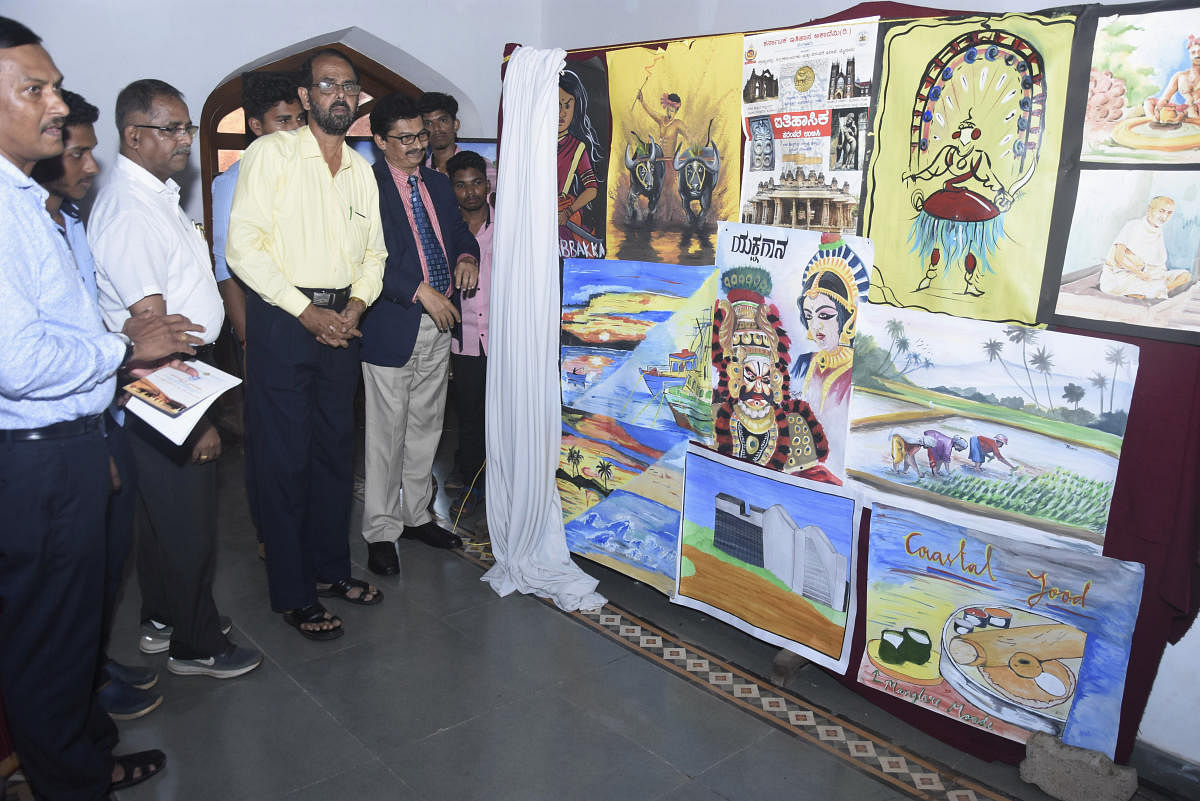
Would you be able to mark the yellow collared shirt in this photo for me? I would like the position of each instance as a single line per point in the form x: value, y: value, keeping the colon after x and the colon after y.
x: 294, y: 224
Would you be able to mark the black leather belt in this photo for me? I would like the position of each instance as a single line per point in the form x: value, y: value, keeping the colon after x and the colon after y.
x: 63, y: 430
x: 327, y: 298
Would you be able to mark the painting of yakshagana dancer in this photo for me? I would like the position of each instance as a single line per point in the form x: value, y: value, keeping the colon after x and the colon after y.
x: 1004, y: 634
x: 981, y: 418
x: 769, y: 553
x: 1143, y: 101
x: 676, y: 137
x: 967, y: 137
x: 1133, y: 259
x: 635, y: 388
x: 582, y: 158
x: 817, y: 282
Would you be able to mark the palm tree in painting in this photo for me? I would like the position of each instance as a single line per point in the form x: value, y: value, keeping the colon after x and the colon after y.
x: 574, y: 457
x: 1043, y: 362
x: 1116, y: 357
x: 994, y: 349
x: 1100, y: 382
x: 604, y: 470
x: 1020, y: 335
x: 895, y: 330
x: 1073, y: 393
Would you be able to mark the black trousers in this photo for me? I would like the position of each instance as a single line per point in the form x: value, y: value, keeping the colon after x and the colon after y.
x: 118, y: 526
x: 468, y: 391
x: 300, y: 414
x: 176, y: 526
x: 53, y: 495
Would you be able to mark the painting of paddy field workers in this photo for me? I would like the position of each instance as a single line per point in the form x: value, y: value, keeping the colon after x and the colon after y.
x: 1003, y: 634
x: 770, y: 553
x: 636, y: 386
x: 1016, y: 423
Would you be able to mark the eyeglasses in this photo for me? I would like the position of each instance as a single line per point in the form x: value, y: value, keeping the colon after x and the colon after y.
x: 177, y: 131
x: 349, y: 88
x: 408, y: 139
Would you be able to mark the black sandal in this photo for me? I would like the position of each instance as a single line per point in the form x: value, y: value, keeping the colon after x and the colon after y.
x: 341, y: 589
x: 138, y: 767
x: 314, y: 613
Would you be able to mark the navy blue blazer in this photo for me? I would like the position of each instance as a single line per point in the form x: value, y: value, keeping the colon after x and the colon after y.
x: 389, y: 328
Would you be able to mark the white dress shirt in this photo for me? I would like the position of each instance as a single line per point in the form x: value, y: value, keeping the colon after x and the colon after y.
x: 144, y: 245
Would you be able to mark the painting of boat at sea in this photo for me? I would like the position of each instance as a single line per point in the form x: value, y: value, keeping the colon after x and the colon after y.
x: 1015, y: 423
x: 769, y: 553
x: 635, y: 388
x: 789, y: 309
x: 1006, y: 635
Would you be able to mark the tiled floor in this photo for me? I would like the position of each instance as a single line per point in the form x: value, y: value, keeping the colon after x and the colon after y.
x: 446, y: 691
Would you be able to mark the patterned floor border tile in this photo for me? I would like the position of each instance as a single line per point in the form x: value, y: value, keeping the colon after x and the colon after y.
x: 867, y: 751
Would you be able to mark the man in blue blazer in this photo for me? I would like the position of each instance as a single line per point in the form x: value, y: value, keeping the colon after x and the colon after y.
x: 432, y: 256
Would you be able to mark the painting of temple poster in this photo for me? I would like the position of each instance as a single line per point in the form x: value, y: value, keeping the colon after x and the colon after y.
x: 1009, y: 422
x: 1133, y: 260
x: 806, y: 93
x: 1144, y: 90
x: 1006, y: 635
x: 676, y: 138
x: 961, y: 183
x: 783, y: 340
x: 635, y: 388
x: 771, y: 554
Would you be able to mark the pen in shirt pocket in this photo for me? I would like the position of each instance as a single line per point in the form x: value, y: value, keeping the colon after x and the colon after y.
x: 359, y: 213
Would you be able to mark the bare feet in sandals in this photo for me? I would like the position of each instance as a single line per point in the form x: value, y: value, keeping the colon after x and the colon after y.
x: 314, y: 622
x: 135, y: 768
x: 356, y: 591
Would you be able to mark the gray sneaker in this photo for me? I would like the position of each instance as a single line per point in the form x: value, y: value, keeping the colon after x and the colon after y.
x: 234, y: 662
x: 156, y: 637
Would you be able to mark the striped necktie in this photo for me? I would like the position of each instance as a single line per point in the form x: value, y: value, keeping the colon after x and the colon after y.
x: 435, y: 257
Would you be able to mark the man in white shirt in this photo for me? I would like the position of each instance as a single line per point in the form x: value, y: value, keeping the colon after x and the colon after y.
x: 1136, y: 265
x: 149, y: 255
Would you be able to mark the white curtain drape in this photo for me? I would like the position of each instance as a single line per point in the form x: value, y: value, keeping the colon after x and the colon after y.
x: 524, y: 410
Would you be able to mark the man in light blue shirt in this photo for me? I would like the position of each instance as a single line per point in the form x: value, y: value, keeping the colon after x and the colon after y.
x: 57, y: 374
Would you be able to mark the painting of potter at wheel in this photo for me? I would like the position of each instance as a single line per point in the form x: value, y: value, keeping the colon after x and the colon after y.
x: 1144, y: 90
x: 1006, y: 635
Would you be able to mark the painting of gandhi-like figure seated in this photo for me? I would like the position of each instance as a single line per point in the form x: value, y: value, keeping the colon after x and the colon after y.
x: 1133, y: 255
x: 1136, y: 265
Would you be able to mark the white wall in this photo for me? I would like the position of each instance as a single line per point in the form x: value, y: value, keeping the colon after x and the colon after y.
x: 102, y: 45
x: 1170, y: 720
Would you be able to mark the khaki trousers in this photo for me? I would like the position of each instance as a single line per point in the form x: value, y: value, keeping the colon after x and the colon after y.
x: 405, y: 408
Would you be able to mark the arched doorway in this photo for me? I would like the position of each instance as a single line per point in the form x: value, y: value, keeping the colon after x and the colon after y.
x: 382, y: 68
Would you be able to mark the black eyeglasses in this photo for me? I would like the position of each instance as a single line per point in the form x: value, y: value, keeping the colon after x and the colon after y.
x: 408, y: 139
x: 177, y: 131
x: 350, y: 88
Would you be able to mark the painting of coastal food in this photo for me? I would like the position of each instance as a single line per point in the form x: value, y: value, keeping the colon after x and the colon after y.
x: 1016, y: 423
x: 1143, y: 102
x: 770, y: 553
x: 1005, y: 635
x: 635, y: 385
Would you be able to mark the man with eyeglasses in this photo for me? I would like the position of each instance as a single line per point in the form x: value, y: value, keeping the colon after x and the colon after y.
x: 432, y: 256
x: 150, y: 256
x: 58, y: 371
x: 305, y: 236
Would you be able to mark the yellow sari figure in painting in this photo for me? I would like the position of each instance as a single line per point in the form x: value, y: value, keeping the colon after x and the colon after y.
x: 835, y: 280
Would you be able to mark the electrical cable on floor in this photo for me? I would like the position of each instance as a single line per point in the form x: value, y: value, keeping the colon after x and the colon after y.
x: 462, y: 504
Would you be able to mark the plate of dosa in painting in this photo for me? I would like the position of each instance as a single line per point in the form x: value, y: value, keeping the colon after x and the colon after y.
x: 1016, y: 664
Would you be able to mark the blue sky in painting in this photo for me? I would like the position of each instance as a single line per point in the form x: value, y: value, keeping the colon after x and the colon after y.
x: 583, y: 278
x: 706, y: 477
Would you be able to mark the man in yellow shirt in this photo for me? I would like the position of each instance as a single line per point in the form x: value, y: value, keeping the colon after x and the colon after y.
x: 305, y: 236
